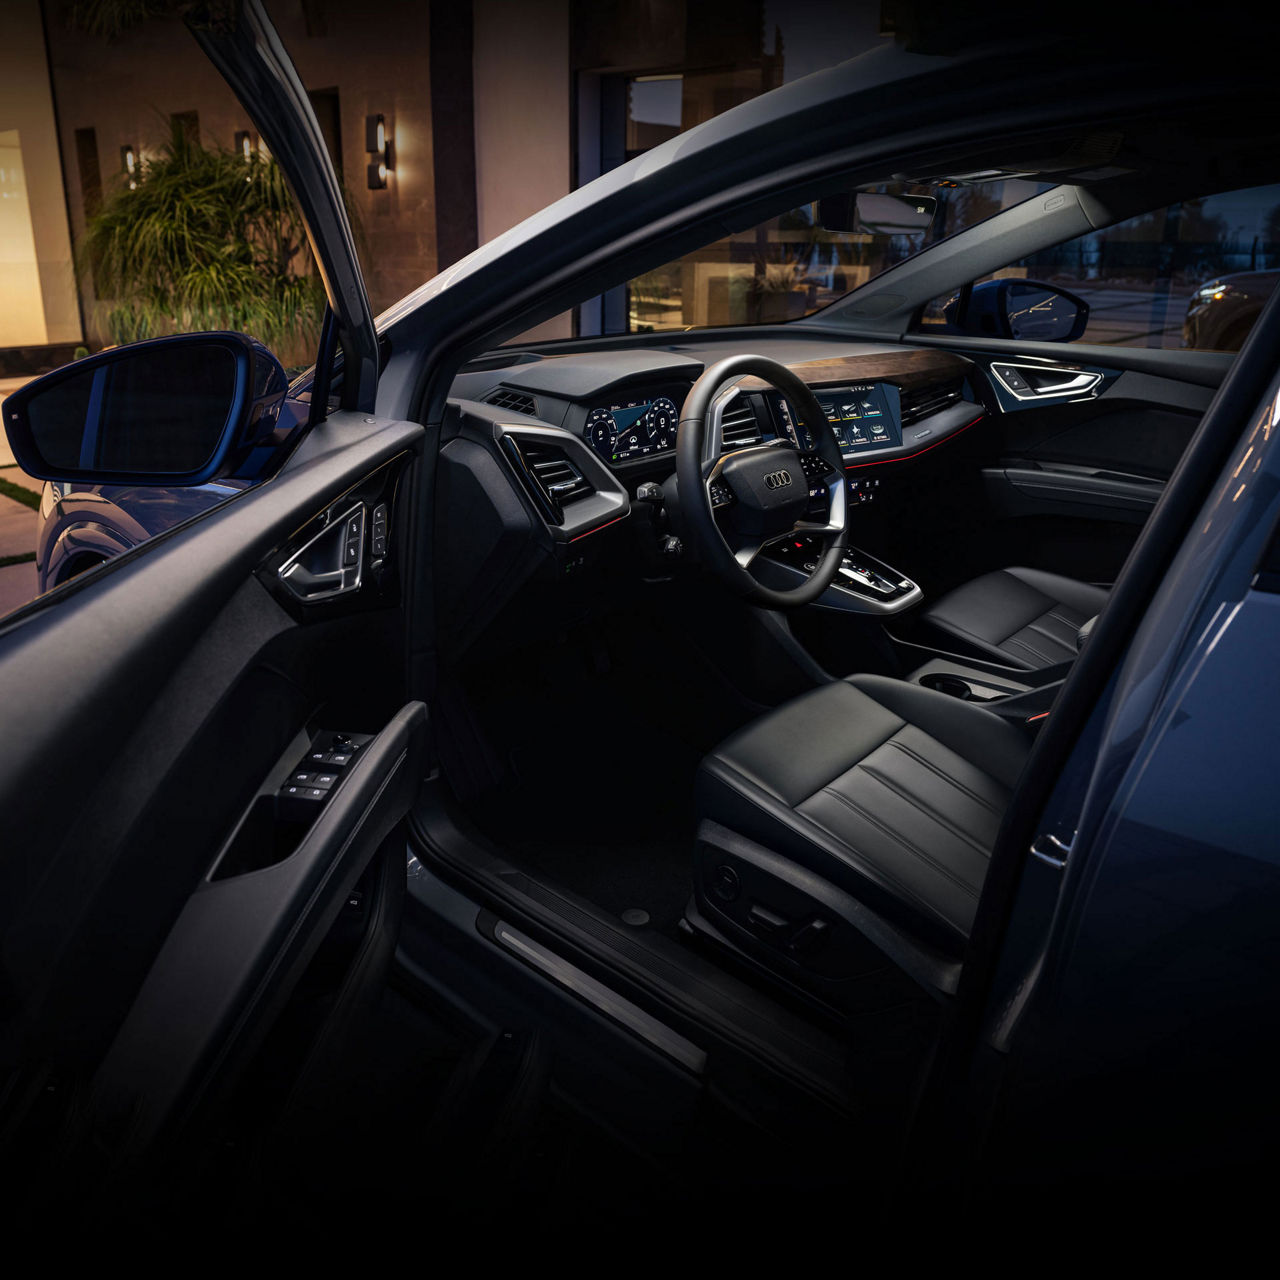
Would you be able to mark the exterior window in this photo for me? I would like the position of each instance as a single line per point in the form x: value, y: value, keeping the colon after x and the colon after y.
x: 791, y: 266
x: 1192, y: 275
x: 90, y: 174
x: 186, y: 123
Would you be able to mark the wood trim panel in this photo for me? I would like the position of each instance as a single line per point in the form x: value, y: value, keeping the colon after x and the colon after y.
x: 907, y: 369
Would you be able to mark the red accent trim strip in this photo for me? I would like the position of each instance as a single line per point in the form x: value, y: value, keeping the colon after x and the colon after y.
x: 598, y: 527
x: 1041, y: 716
x: 906, y: 457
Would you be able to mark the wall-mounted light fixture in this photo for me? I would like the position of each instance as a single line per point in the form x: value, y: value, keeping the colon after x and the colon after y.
x: 246, y: 145
x: 129, y: 163
x: 381, y: 149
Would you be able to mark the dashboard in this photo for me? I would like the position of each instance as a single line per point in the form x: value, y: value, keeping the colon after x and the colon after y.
x: 576, y: 425
x: 635, y: 427
x: 863, y: 415
x: 544, y: 448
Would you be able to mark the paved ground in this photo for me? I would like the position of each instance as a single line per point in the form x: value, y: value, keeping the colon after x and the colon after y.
x: 17, y: 586
x: 17, y: 525
x: 1135, y: 317
x: 8, y: 385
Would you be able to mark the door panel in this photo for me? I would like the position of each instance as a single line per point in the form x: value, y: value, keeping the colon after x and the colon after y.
x: 244, y: 937
x: 151, y: 704
x: 1074, y: 477
x: 1116, y: 431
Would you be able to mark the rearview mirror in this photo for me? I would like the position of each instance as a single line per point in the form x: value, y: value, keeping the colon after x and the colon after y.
x: 873, y: 213
x: 173, y: 411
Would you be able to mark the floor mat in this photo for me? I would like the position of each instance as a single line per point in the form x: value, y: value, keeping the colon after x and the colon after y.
x: 601, y: 735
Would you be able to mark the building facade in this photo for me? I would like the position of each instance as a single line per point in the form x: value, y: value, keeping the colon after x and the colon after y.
x: 491, y: 110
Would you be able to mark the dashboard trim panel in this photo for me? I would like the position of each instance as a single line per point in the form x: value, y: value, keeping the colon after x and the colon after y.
x: 608, y: 501
x: 900, y: 456
x: 906, y: 369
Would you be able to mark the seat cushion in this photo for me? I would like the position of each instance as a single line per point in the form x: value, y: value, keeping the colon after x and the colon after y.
x: 892, y: 792
x: 1019, y: 617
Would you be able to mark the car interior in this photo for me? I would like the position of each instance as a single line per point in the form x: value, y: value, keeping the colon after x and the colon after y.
x: 741, y: 640
x: 836, y: 760
x: 776, y: 729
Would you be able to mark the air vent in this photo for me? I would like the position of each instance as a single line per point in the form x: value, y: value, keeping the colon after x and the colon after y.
x: 556, y: 476
x: 921, y: 402
x: 516, y: 401
x: 739, y: 426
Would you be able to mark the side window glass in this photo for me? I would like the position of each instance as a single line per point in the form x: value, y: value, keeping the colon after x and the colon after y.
x: 162, y: 213
x: 1194, y: 275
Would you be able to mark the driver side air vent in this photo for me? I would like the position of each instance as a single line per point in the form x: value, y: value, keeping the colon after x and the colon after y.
x: 920, y: 402
x: 556, y: 478
x: 740, y: 427
x: 516, y: 401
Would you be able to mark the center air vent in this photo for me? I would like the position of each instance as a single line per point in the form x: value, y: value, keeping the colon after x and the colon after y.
x: 739, y: 426
x: 921, y: 402
x: 516, y: 401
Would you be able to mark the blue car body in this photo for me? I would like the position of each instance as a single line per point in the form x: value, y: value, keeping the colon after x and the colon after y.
x: 79, y: 526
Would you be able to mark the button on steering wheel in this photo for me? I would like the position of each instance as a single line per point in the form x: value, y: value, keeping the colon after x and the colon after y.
x: 737, y: 502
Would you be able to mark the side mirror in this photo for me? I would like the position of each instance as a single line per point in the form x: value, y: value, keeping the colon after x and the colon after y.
x: 873, y: 213
x: 1025, y: 310
x: 174, y: 411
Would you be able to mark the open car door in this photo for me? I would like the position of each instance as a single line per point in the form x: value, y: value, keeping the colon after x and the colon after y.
x: 211, y: 738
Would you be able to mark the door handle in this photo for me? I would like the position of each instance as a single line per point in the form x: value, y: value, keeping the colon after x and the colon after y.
x: 1036, y: 381
x: 1081, y: 382
x: 302, y: 582
x: 330, y: 563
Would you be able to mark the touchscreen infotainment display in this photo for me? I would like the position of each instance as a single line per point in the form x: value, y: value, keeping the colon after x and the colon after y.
x: 863, y: 416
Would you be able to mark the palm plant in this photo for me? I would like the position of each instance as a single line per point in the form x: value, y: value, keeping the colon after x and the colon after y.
x: 205, y: 239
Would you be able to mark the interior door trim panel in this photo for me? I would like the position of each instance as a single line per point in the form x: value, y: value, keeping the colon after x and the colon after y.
x: 242, y: 941
x: 1203, y: 368
x: 1062, y: 482
x: 155, y: 627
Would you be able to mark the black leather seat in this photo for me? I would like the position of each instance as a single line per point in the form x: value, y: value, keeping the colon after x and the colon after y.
x: 1018, y: 617
x: 890, y: 792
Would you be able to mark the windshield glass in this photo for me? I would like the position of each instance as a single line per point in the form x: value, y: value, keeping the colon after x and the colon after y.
x: 791, y: 266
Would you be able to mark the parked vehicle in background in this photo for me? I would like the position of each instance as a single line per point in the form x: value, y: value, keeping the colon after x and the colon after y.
x: 82, y: 526
x: 1222, y: 312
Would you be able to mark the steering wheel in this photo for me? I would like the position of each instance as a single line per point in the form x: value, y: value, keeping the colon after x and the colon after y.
x: 736, y: 503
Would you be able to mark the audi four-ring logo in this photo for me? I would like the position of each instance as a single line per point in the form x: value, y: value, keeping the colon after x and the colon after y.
x: 777, y: 479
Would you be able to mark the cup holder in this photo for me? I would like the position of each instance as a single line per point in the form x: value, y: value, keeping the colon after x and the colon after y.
x: 943, y: 683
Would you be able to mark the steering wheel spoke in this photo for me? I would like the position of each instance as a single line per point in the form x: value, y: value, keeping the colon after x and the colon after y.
x: 745, y: 548
x: 720, y: 495
x: 837, y: 511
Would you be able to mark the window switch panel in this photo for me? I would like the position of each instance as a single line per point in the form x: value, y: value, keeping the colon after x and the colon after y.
x: 317, y: 774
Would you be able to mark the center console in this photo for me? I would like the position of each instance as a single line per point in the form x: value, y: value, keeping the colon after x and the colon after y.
x: 1024, y: 697
x: 863, y: 584
x: 869, y: 587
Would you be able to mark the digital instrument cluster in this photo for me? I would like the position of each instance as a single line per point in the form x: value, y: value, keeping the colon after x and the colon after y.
x: 633, y: 429
x: 863, y: 416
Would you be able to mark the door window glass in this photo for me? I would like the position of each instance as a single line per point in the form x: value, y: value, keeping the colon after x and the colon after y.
x: 155, y: 211
x: 1192, y: 275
